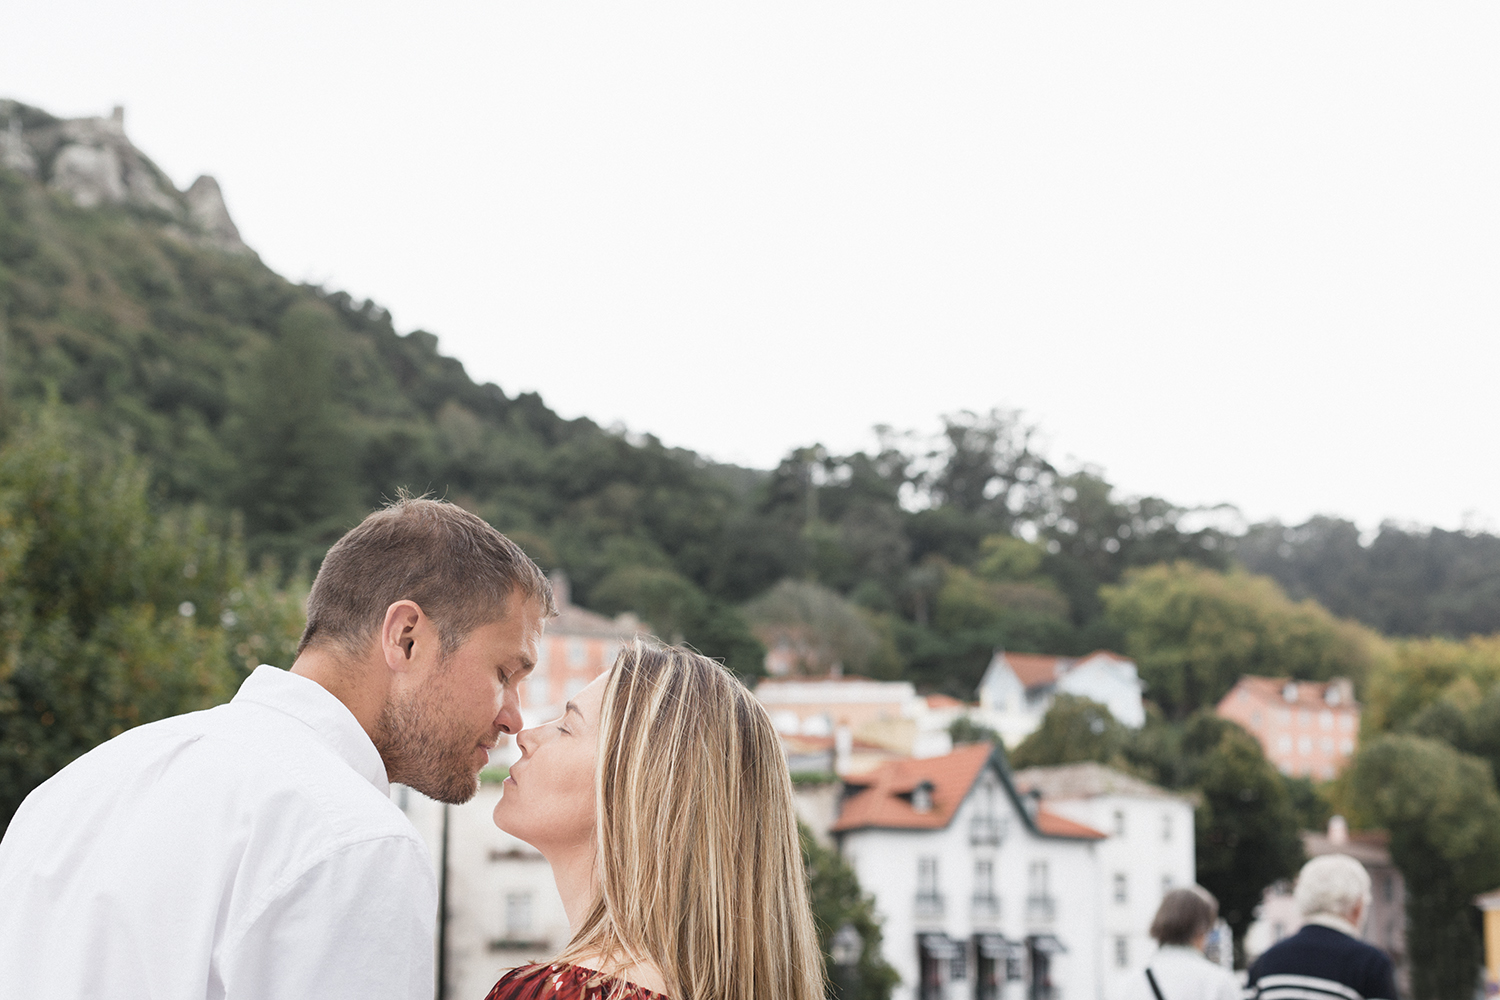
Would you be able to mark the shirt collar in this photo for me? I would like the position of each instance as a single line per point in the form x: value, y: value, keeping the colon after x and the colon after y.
x: 1331, y: 921
x: 309, y: 702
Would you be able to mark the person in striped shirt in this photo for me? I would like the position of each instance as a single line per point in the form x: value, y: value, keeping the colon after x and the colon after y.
x: 1326, y: 960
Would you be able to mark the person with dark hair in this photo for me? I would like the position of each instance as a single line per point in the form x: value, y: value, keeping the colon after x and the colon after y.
x: 1178, y: 970
x: 253, y: 850
x: 1326, y: 958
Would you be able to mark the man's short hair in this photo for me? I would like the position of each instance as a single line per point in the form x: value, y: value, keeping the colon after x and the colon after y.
x: 1184, y: 914
x: 460, y: 571
x: 1333, y: 884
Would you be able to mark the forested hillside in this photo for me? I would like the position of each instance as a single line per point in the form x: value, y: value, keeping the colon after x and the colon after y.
x: 296, y: 410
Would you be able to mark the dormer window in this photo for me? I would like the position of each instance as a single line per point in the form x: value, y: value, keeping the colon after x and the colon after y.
x: 921, y: 797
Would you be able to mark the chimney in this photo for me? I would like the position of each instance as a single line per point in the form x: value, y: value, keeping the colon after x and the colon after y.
x: 1338, y: 831
x: 1340, y: 691
x: 562, y: 594
x: 843, y: 748
x: 117, y: 115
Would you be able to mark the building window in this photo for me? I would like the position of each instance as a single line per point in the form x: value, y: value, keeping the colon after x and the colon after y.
x: 518, y: 915
x: 984, y: 880
x: 1119, y: 822
x: 1122, y: 951
x: 927, y: 876
x: 1304, y: 745
x: 1346, y: 747
x: 1284, y: 743
x: 1120, y: 894
x: 1166, y: 826
x: 1325, y: 719
x: 1039, y: 902
x: 929, y: 899
x: 958, y: 969
x: 1166, y: 884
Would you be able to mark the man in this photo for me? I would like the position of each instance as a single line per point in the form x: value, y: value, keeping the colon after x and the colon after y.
x: 1326, y: 958
x: 252, y: 850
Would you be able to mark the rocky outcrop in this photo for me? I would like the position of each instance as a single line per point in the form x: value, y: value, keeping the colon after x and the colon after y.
x: 93, y: 163
x: 206, y: 207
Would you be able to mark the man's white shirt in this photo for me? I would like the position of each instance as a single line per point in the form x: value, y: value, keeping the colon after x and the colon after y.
x: 248, y: 851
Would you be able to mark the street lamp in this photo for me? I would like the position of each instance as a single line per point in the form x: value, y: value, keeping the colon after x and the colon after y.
x: 845, y: 949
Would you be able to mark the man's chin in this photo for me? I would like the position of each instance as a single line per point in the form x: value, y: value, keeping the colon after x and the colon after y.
x: 453, y: 790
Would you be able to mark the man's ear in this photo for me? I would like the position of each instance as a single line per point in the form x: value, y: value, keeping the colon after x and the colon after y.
x: 405, y: 636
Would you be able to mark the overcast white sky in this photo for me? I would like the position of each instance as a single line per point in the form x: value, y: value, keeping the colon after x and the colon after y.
x: 1242, y: 252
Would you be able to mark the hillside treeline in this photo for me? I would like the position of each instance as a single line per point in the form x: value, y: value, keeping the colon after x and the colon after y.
x: 300, y: 410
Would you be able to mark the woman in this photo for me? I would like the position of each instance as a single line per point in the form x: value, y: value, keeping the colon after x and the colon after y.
x: 661, y: 799
x: 1178, y: 970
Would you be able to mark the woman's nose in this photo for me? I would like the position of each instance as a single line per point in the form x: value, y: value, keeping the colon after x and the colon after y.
x: 525, y: 739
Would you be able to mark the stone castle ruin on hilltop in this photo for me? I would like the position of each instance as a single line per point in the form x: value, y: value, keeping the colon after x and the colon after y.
x: 91, y: 161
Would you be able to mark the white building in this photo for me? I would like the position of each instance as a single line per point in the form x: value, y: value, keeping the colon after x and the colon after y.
x: 982, y: 893
x: 1148, y: 851
x: 1018, y: 688
x: 889, y: 714
x: 499, y: 906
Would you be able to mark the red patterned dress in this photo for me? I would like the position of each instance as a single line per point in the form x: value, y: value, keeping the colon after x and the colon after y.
x: 565, y: 982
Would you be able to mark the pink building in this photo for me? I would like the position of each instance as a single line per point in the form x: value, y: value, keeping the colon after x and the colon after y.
x: 1307, y: 728
x: 576, y: 647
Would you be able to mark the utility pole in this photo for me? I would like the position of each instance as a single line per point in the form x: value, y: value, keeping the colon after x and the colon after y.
x: 442, y: 921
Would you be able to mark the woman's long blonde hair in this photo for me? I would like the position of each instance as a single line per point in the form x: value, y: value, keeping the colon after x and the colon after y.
x: 699, y: 867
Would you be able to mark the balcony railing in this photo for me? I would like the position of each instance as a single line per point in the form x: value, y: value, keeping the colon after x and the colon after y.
x: 1041, y: 909
x: 929, y: 906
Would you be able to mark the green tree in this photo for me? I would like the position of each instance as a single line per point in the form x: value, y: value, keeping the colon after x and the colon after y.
x: 1245, y: 822
x: 680, y: 612
x: 110, y: 615
x: 837, y: 899
x: 965, y: 730
x: 1421, y: 672
x: 825, y: 629
x: 1443, y: 814
x: 296, y: 471
x: 1074, y: 729
x: 1193, y: 632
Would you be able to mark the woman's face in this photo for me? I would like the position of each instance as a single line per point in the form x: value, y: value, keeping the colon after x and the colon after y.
x: 548, y: 800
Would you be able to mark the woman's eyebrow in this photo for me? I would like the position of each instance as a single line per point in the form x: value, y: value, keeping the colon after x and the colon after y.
x: 570, y: 707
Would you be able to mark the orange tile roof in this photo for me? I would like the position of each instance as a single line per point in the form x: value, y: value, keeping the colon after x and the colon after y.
x: 943, y: 701
x: 1035, y: 670
x: 1310, y: 694
x: 882, y: 797
x: 881, y: 802
x: 1059, y: 826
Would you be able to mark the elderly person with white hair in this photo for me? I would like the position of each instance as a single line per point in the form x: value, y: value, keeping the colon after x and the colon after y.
x: 1326, y: 960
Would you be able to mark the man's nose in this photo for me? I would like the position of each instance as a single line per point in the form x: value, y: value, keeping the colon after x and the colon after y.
x: 509, y: 719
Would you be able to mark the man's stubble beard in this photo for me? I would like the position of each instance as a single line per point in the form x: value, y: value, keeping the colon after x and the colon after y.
x: 423, y: 750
